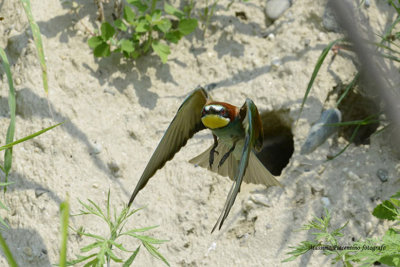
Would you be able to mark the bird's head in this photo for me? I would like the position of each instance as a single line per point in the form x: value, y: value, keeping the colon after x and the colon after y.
x: 217, y: 115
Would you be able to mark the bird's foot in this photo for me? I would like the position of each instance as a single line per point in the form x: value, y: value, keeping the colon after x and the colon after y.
x: 211, y: 160
x: 227, y: 154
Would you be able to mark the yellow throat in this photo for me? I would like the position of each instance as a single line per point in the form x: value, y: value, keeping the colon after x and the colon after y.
x: 214, y: 121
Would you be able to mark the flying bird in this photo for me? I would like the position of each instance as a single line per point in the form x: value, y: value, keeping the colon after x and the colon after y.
x: 237, y: 133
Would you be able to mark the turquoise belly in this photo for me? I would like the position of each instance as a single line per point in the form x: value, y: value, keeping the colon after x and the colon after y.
x: 231, y: 133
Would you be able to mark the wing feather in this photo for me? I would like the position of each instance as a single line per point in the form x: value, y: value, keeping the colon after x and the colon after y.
x: 185, y: 124
x: 249, y: 120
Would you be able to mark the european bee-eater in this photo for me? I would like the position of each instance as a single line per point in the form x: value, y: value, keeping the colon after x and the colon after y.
x: 236, y: 131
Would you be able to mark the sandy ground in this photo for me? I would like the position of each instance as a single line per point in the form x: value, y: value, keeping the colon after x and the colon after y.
x: 116, y: 112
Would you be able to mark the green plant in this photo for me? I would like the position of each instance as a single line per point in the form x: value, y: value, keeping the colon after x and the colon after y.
x: 6, y: 167
x: 143, y: 27
x: 7, y: 252
x: 208, y: 12
x: 64, y: 210
x: 38, y: 42
x: 388, y: 47
x: 384, y: 250
x: 104, y: 245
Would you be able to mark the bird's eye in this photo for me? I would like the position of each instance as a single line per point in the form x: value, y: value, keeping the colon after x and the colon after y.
x: 203, y: 112
x: 223, y: 112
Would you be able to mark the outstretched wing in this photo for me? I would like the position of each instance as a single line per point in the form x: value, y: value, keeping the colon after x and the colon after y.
x: 186, y: 123
x: 250, y: 120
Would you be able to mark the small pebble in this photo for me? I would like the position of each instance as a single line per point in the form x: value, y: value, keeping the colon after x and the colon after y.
x: 248, y: 205
x: 319, y: 132
x: 271, y: 37
x: 96, y: 148
x: 211, y: 248
x: 95, y: 185
x: 351, y: 175
x: 18, y: 81
x: 109, y: 91
x: 325, y: 201
x: 27, y: 251
x: 321, y: 169
x: 113, y: 166
x: 275, y: 8
x: 276, y: 63
x: 383, y: 175
x: 368, y: 228
x: 261, y: 200
x: 329, y: 20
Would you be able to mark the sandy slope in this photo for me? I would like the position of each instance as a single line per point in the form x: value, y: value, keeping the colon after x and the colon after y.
x: 116, y: 112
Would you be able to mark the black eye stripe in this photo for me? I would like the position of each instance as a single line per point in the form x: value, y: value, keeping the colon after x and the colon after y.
x: 215, y: 109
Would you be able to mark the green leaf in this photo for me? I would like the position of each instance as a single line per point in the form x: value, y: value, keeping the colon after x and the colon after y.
x: 163, y: 25
x: 129, y: 15
x: 144, y: 229
x: 129, y: 261
x: 120, y: 25
x: 38, y: 42
x: 143, y: 26
x: 92, y: 246
x: 102, y: 50
x: 94, y: 263
x: 107, y: 31
x: 173, y: 36
x: 173, y: 11
x: 12, y: 107
x: 127, y: 46
x: 142, y: 7
x: 80, y: 259
x: 161, y: 50
x: 153, y: 251
x: 392, y: 260
x: 301, y: 249
x: 64, y: 208
x: 316, y: 70
x: 187, y: 26
x: 95, y: 41
x: 156, y: 15
x: 7, y: 253
x: 397, y: 195
x: 28, y: 137
x: 395, y: 202
x: 148, y: 239
x: 383, y: 211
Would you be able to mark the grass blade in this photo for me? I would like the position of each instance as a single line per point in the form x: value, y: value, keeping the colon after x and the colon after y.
x: 12, y: 106
x: 64, y: 208
x: 351, y: 140
x: 349, y: 86
x: 38, y: 42
x: 80, y: 259
x: 153, y: 251
x: 316, y: 70
x: 28, y: 137
x: 7, y: 253
x: 129, y: 261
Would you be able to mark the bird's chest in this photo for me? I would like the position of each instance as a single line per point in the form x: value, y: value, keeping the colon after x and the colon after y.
x: 231, y: 134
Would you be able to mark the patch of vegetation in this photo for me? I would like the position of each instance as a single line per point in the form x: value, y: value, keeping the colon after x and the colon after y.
x: 104, y: 246
x: 365, y: 252
x: 143, y: 28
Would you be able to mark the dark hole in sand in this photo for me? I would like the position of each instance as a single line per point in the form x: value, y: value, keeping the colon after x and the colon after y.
x: 278, y: 145
x: 356, y: 106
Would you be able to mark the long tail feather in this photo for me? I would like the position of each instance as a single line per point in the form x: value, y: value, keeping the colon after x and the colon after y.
x: 256, y: 173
